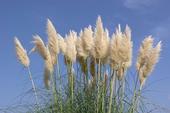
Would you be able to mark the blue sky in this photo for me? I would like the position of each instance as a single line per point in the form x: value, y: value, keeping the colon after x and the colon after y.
x: 25, y: 18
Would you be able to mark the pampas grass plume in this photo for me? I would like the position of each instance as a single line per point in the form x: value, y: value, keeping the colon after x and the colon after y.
x: 144, y: 51
x: 45, y: 53
x: 121, y: 51
x: 62, y: 44
x: 147, y: 58
x: 47, y: 78
x: 52, y: 41
x: 88, y: 39
x: 40, y: 47
x: 81, y: 52
x: 49, y: 68
x: 101, y: 41
x: 71, y: 51
x: 21, y: 53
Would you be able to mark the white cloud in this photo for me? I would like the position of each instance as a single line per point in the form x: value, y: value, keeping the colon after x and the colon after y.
x: 138, y: 4
x: 162, y: 31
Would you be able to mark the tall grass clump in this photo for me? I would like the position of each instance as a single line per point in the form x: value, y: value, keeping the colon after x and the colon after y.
x: 95, y: 77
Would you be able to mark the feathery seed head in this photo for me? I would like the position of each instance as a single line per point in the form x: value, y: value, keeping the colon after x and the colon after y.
x: 106, y: 45
x: 71, y: 46
x: 121, y: 51
x: 52, y: 41
x: 128, y: 32
x: 121, y: 48
x: 21, y: 53
x: 152, y: 60
x: 49, y: 68
x: 80, y: 49
x: 62, y: 44
x: 144, y: 51
x: 40, y: 47
x: 148, y: 57
x: 87, y: 38
x: 47, y: 77
x: 85, y: 42
x: 101, y: 41
x: 48, y: 62
x: 99, y: 27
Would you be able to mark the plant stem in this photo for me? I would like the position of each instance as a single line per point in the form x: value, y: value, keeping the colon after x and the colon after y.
x: 104, y: 94
x: 112, y: 84
x: 60, y: 85
x: 122, y: 93
x: 136, y: 100
x: 54, y: 91
x: 86, y: 74
x: 98, y: 87
x: 71, y: 83
x: 33, y: 86
x: 134, y: 95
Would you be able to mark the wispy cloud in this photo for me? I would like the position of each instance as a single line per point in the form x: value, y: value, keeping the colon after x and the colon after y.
x: 138, y: 4
x: 162, y: 31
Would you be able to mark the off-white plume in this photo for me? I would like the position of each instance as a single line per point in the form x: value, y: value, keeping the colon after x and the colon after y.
x: 52, y: 41
x: 47, y: 77
x: 121, y: 48
x: 40, y: 47
x: 101, y: 41
x: 88, y: 39
x: 70, y: 41
x: 49, y: 67
x: 21, y: 53
x: 81, y: 52
x: 62, y: 44
x: 144, y: 51
x: 147, y: 58
x: 46, y: 55
x: 121, y: 51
